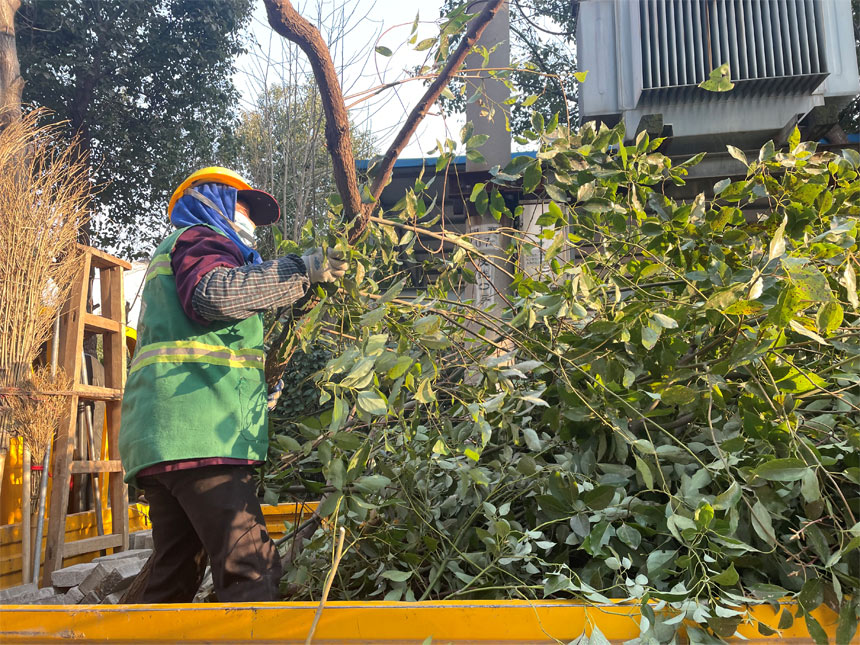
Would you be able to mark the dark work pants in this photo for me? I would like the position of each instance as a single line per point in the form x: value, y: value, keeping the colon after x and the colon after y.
x: 209, y: 510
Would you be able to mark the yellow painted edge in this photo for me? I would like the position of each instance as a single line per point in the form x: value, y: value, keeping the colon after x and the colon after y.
x: 353, y: 622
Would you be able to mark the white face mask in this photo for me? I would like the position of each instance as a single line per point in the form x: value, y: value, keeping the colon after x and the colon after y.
x: 244, y: 228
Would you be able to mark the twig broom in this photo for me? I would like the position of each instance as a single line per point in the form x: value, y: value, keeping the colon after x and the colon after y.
x: 44, y: 195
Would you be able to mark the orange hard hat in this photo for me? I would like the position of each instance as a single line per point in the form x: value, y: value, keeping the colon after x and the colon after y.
x: 263, y: 207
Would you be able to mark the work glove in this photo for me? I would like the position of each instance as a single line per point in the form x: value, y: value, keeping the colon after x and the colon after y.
x: 274, y: 395
x: 324, y: 265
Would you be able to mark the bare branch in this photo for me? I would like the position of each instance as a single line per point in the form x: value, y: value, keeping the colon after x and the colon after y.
x: 288, y: 23
x: 476, y: 28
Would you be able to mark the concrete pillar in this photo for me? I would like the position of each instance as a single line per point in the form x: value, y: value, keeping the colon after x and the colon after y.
x: 497, y: 151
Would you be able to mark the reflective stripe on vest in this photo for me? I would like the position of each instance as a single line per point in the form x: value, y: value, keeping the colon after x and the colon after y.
x: 159, y: 265
x: 189, y: 351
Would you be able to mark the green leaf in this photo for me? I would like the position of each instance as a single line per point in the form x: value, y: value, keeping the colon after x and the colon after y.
x: 359, y: 372
x: 846, y: 628
x: 328, y: 506
x: 738, y: 154
x: 477, y: 189
x: 371, y: 483
x: 849, y: 281
x: 645, y: 472
x: 762, y: 523
x: 629, y: 536
x: 782, y: 470
x: 373, y: 316
x: 767, y: 152
x: 796, y: 382
x: 337, y: 473
x: 532, y: 440
x: 400, y: 367
x: 476, y: 141
x: 809, y: 281
x: 650, y: 337
x: 475, y: 156
x: 425, y: 392
x: 809, y: 487
x: 678, y: 395
x: 777, y: 244
x: 786, y: 619
x: 372, y: 402
x: 396, y: 576
x: 728, y: 498
x: 532, y: 177
x: 803, y: 331
x: 793, y: 139
x: 811, y: 595
x: 383, y: 51
x: 719, y: 80
x: 339, y: 414
x: 727, y: 578
x: 819, y: 635
x: 425, y: 44
x: 829, y: 317
x: 599, y: 498
x: 665, y: 321
x: 580, y: 76
x: 287, y: 443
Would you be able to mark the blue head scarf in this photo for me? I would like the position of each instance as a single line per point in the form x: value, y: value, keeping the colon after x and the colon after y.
x: 189, y: 211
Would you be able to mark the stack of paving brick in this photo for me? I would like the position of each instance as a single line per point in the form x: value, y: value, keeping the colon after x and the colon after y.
x: 140, y: 539
x: 101, y: 581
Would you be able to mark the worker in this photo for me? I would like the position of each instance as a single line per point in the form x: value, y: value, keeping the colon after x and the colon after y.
x: 194, y: 413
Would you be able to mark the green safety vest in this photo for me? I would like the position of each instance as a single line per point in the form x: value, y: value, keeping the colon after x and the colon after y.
x: 193, y: 391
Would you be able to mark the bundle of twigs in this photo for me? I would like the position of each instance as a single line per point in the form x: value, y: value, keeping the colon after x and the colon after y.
x: 37, y: 407
x: 44, y: 194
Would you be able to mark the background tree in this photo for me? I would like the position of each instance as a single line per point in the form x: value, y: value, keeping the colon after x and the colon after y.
x: 543, y: 47
x: 147, y: 86
x: 11, y: 83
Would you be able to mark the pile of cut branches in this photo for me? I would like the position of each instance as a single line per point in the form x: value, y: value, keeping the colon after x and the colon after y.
x: 669, y: 412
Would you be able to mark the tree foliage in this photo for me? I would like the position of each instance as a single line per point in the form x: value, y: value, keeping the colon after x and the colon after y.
x: 668, y: 412
x: 281, y: 146
x: 148, y: 88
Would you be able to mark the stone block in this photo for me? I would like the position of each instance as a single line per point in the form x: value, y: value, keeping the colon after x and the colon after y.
x: 44, y: 596
x: 92, y: 598
x: 72, y: 576
x: 141, y: 539
x: 18, y: 595
x: 141, y: 554
x: 111, y: 576
x: 73, y: 596
x: 94, y: 580
x: 112, y: 599
x: 56, y: 599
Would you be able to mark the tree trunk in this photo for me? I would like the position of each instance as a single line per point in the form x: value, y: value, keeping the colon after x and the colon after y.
x: 11, y: 83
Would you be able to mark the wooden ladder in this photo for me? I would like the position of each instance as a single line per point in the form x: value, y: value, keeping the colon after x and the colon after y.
x: 75, y: 321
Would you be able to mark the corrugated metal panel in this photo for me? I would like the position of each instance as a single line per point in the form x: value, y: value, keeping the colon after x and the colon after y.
x: 771, y: 46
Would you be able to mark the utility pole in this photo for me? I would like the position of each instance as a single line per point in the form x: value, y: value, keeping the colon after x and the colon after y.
x: 490, y: 116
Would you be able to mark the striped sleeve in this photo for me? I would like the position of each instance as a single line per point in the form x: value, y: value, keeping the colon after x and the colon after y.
x: 240, y: 292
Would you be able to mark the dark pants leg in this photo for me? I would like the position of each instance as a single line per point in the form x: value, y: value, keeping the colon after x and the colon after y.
x: 219, y: 504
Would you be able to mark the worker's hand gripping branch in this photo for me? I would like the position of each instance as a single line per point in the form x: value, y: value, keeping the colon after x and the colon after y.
x: 325, y: 265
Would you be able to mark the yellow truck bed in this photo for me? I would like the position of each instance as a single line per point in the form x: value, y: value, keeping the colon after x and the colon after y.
x: 463, y: 622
